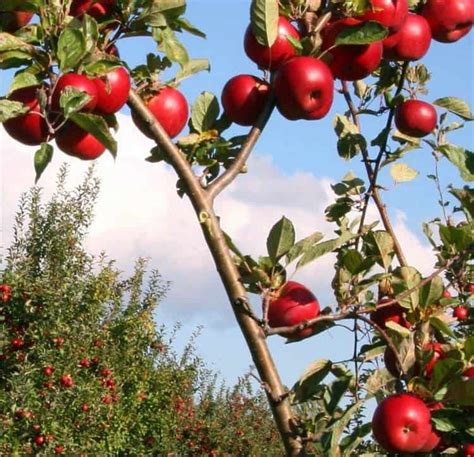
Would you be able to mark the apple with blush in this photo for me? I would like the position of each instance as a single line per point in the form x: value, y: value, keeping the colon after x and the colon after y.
x: 112, y: 91
x: 415, y: 118
x: 389, y: 13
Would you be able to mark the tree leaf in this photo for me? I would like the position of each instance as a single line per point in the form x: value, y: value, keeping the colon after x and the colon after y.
x: 280, y: 239
x: 264, y: 21
x: 72, y: 100
x: 166, y: 5
x: 440, y: 325
x: 190, y: 28
x: 23, y: 79
x: 431, y: 293
x: 466, y: 198
x: 443, y: 372
x: 310, y: 380
x: 403, y: 331
x: 192, y: 67
x: 10, y: 109
x: 459, y: 391
x: 42, y: 159
x: 170, y: 45
x: 97, y: 126
x: 364, y: 33
x: 204, y: 112
x: 406, y: 278
x: 461, y: 158
x: 456, y: 106
x: 302, y: 245
x: 340, y: 426
x: 401, y: 172
x: 71, y: 49
x: 379, y: 244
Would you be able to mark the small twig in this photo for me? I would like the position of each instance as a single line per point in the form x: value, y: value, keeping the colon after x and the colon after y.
x: 244, y: 303
x: 356, y: 363
x: 221, y: 182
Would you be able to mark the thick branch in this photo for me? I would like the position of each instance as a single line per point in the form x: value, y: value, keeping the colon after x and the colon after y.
x: 235, y: 168
x: 230, y: 277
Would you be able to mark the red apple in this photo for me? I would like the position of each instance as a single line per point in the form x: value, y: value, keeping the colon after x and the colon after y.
x: 389, y: 13
x: 446, y: 293
x: 390, y: 313
x: 244, y: 97
x: 11, y: 21
x: 5, y: 293
x: 170, y: 109
x: 100, y: 9
x: 112, y: 91
x: 66, y: 380
x: 30, y: 128
x: 79, y: 7
x: 449, y: 20
x: 350, y: 62
x: 469, y: 288
x: 80, y: 82
x: 304, y: 88
x: 438, y: 354
x: 39, y: 440
x: 48, y: 371
x: 415, y: 118
x: 59, y: 449
x: 461, y: 312
x: 76, y: 142
x: 293, y: 304
x: 17, y: 343
x: 402, y: 423
x: 411, y: 42
x: 85, y: 408
x: 270, y: 58
x: 434, y: 438
x: 469, y: 372
x: 468, y: 450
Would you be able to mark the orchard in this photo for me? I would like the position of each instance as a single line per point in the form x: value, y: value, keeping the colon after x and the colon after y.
x: 408, y: 385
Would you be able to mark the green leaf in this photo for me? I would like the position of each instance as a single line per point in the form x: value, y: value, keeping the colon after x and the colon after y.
x: 459, y: 391
x: 90, y: 31
x: 461, y: 158
x: 340, y: 426
x: 97, y: 126
x: 444, y: 371
x: 364, y: 33
x: 401, y: 172
x: 280, y: 239
x: 42, y: 159
x: 204, y: 112
x: 192, y: 67
x: 301, y: 246
x: 466, y: 198
x: 71, y: 49
x: 456, y: 106
x: 190, y: 28
x: 441, y: 326
x: 469, y: 347
x: 379, y: 244
x: 10, y: 42
x: 166, y: 5
x: 309, y: 382
x: 171, y: 46
x: 406, y: 278
x: 264, y: 21
x: 431, y: 293
x: 335, y: 392
x: 403, y: 331
x: 23, y: 79
x: 376, y: 381
x: 72, y: 100
x: 10, y: 109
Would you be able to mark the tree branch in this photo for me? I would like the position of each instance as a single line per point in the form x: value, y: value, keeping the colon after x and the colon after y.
x: 235, y: 168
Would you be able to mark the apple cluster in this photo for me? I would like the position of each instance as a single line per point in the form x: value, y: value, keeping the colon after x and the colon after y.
x: 303, y: 85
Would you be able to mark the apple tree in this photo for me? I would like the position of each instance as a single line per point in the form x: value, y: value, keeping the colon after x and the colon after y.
x: 70, y: 80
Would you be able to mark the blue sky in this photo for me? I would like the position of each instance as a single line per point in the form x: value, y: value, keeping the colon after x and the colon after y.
x: 293, y: 165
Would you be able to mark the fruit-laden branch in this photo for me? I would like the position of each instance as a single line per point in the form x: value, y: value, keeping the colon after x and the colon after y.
x: 359, y: 313
x: 372, y: 172
x: 239, y: 162
x: 230, y: 278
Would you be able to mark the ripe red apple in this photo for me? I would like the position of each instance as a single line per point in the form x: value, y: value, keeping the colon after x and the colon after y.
x: 469, y: 288
x: 112, y: 91
x: 411, y: 42
x: 30, y: 128
x: 170, y: 109
x: 293, y: 304
x: 59, y: 449
x: 270, y: 58
x: 350, y: 62
x: 438, y: 354
x: 80, y: 82
x: 415, y: 118
x: 402, y: 423
x: 48, y: 371
x: 105, y: 372
x: 79, y: 7
x: 461, y: 312
x: 304, y: 88
x: 85, y: 408
x: 449, y: 20
x: 434, y: 438
x: 100, y: 9
x: 5, y: 293
x: 469, y: 372
x: 468, y: 450
x: 11, y: 21
x: 66, y: 380
x: 446, y: 293
x: 76, y: 142
x: 85, y: 363
x: 58, y: 341
x: 390, y: 313
x: 39, y: 440
x: 389, y: 13
x: 17, y: 343
x: 244, y: 97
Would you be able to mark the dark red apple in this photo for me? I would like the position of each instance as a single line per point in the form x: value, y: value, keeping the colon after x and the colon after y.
x: 112, y: 91
x: 30, y: 128
x: 469, y: 372
x: 11, y: 21
x: 170, y: 109
x: 389, y: 313
x: 350, y: 62
x: 79, y: 7
x: 5, y: 292
x: 446, y: 293
x: 438, y: 354
x: 415, y: 118
x: 304, y: 88
x: 66, y: 380
x: 469, y: 288
x: 293, y: 304
x: 270, y: 58
x: 468, y: 450
x: 78, y: 81
x: 100, y: 9
x: 449, y: 20
x: 402, y: 423
x: 411, y: 42
x: 389, y: 13
x: 461, y: 312
x: 76, y: 142
x: 244, y: 97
